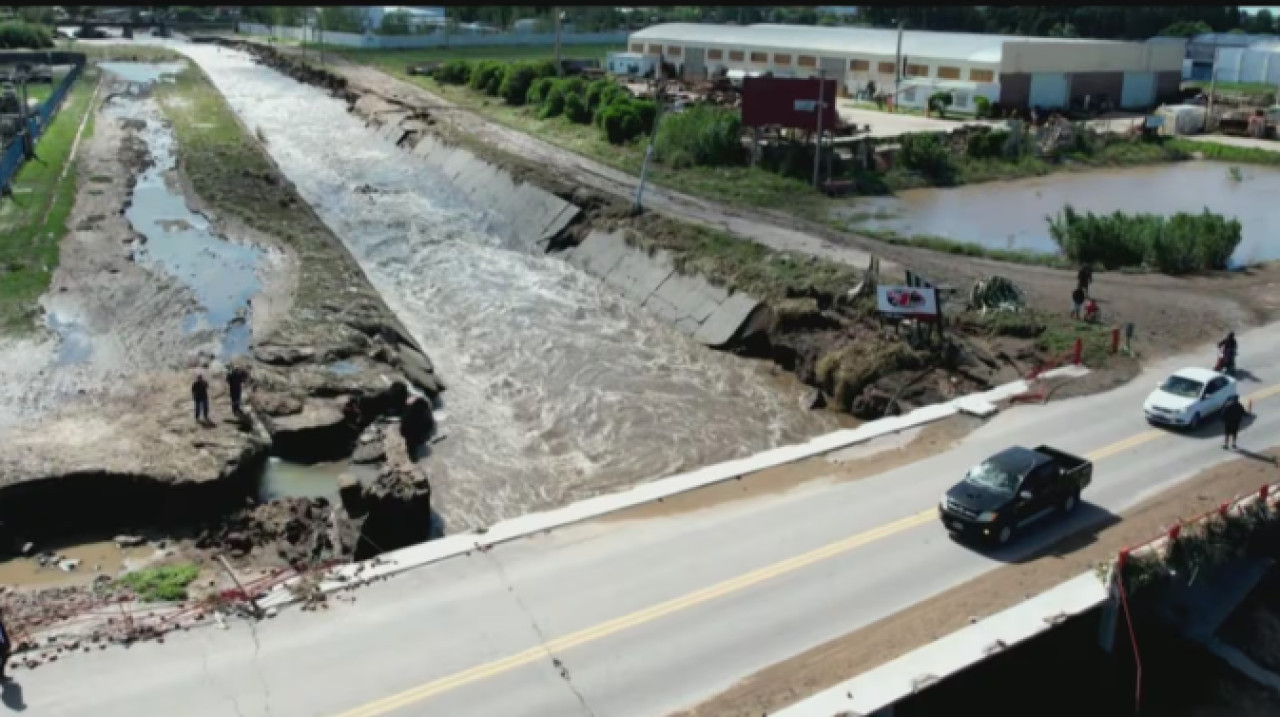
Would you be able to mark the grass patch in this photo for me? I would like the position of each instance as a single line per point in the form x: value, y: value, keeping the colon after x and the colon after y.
x: 162, y: 583
x: 34, y: 220
x: 1229, y: 152
x: 397, y: 60
x: 959, y: 248
x: 1242, y: 88
x: 122, y: 53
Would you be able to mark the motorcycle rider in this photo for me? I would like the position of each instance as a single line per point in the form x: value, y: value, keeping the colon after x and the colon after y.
x: 1227, y: 348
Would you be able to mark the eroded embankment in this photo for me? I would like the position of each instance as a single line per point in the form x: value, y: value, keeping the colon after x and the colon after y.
x: 729, y: 293
x: 139, y: 295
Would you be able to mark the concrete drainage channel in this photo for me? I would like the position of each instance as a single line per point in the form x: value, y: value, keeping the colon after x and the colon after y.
x: 537, y: 218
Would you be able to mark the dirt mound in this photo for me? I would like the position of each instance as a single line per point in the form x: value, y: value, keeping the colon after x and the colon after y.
x: 293, y: 531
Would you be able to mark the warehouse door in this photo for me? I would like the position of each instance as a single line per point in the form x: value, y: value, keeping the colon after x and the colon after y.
x: 1139, y: 90
x: 695, y: 64
x: 836, y: 69
x: 1049, y: 90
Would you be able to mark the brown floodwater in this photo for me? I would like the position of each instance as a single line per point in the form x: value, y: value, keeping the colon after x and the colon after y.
x: 100, y: 558
x: 1012, y: 215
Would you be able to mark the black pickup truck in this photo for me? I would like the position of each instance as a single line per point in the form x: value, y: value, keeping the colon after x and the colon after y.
x: 1012, y: 489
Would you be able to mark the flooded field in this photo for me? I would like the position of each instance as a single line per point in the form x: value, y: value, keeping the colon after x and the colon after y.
x: 1012, y: 215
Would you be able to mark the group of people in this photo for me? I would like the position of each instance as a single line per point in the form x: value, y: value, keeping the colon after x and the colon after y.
x: 236, y: 378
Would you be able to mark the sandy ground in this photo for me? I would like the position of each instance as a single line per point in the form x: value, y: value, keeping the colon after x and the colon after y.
x: 857, y: 652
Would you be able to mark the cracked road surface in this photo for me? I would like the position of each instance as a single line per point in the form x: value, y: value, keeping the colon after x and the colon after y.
x: 642, y: 617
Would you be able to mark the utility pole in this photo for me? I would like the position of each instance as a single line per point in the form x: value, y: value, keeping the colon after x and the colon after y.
x: 1213, y: 83
x: 320, y: 26
x: 653, y: 136
x: 559, y: 64
x: 817, y: 145
x: 897, y: 67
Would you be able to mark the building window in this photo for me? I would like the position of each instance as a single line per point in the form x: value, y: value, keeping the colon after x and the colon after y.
x: 783, y: 60
x: 885, y: 68
x: 861, y: 65
x: 673, y: 51
x: 760, y: 58
x: 948, y: 73
x: 807, y: 61
x: 982, y: 75
x: 917, y: 71
x: 637, y: 47
x: 715, y: 54
x: 655, y: 49
x: 908, y: 95
x: 736, y: 55
x: 960, y: 99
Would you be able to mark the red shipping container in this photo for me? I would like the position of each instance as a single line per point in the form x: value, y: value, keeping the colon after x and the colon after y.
x: 788, y: 102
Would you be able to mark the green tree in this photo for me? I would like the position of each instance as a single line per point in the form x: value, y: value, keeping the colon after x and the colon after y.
x: 396, y: 23
x: 342, y: 19
x: 1184, y: 28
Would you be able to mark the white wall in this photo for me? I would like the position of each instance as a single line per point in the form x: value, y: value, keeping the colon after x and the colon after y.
x: 915, y: 93
x: 1247, y: 65
x: 455, y: 38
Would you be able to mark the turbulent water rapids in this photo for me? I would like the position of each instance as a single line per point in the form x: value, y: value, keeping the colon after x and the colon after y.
x: 559, y: 388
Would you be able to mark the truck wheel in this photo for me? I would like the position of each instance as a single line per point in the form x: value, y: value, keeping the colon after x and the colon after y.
x: 1195, y: 422
x: 1071, y: 501
x: 1005, y: 534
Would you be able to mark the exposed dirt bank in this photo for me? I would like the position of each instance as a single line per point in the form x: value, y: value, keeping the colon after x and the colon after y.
x: 829, y: 664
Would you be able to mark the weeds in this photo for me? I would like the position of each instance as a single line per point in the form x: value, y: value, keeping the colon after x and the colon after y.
x: 162, y: 583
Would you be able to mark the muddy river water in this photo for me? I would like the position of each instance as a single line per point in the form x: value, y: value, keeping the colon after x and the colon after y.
x: 559, y: 388
x: 1011, y: 215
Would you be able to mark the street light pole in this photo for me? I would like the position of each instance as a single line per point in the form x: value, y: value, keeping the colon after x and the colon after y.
x: 817, y: 144
x: 897, y: 68
x: 559, y: 64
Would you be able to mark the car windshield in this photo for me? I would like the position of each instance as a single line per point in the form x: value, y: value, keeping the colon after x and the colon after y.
x: 1182, y: 387
x: 991, y: 476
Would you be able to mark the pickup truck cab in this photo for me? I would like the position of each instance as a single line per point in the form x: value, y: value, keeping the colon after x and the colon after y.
x: 1013, y: 489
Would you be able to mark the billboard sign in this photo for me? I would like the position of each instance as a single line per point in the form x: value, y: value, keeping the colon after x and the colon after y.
x: 789, y: 102
x: 918, y: 302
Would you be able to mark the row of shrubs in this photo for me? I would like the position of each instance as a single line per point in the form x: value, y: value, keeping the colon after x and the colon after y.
x: 604, y: 103
x: 22, y: 35
x: 1179, y: 244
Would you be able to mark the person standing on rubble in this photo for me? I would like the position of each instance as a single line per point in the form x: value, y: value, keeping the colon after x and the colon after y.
x: 200, y: 395
x: 1085, y: 278
x: 235, y: 386
x: 6, y: 647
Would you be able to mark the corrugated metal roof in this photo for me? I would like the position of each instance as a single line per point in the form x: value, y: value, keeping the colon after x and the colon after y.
x: 844, y: 40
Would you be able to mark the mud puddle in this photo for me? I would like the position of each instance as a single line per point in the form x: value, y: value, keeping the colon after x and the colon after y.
x: 282, y: 479
x: 86, y: 561
x: 180, y: 243
x: 1012, y: 215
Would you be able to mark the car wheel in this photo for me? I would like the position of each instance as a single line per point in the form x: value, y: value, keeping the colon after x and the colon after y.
x: 1004, y: 535
x: 1195, y: 422
x: 1072, y: 500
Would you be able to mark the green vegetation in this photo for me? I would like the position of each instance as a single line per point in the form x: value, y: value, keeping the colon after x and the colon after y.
x: 1179, y: 244
x: 162, y: 583
x: 703, y: 135
x: 395, y: 61
x: 23, y: 35
x: 1227, y: 152
x: 1257, y: 89
x: 959, y: 248
x: 34, y: 220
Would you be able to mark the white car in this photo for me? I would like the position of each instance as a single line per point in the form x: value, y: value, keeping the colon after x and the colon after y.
x: 1188, y: 397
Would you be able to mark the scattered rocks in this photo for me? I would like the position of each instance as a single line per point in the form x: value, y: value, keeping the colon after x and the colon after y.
x: 130, y: 541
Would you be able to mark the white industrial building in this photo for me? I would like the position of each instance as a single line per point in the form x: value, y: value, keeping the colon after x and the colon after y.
x: 1014, y: 71
x: 1228, y: 57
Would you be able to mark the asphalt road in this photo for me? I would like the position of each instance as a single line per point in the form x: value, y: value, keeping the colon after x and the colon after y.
x: 640, y: 618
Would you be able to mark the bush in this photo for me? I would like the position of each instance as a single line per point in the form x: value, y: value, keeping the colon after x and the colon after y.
x: 486, y: 77
x: 453, y: 72
x: 22, y: 35
x: 1179, y: 244
x: 553, y: 104
x: 600, y: 92
x: 575, y: 109
x: 986, y: 143
x: 538, y: 91
x: 981, y: 106
x: 705, y: 135
x: 621, y: 121
x: 940, y: 101
x: 926, y: 153
x: 517, y: 78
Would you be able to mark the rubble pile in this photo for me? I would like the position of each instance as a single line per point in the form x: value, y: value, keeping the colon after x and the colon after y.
x: 296, y: 531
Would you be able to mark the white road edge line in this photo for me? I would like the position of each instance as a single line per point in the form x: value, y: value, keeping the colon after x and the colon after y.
x: 397, y: 561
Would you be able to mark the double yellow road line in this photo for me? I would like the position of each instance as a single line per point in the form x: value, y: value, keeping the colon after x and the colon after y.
x: 699, y: 597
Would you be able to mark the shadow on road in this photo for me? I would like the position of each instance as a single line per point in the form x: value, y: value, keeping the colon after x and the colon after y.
x: 1054, y: 535
x: 12, y: 696
x: 1209, y: 428
x: 1245, y: 452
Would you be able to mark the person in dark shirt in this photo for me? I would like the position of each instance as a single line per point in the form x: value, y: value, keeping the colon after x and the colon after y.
x: 6, y: 646
x: 235, y: 385
x: 1085, y: 278
x: 1077, y: 302
x: 200, y: 394
x: 1232, y: 417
